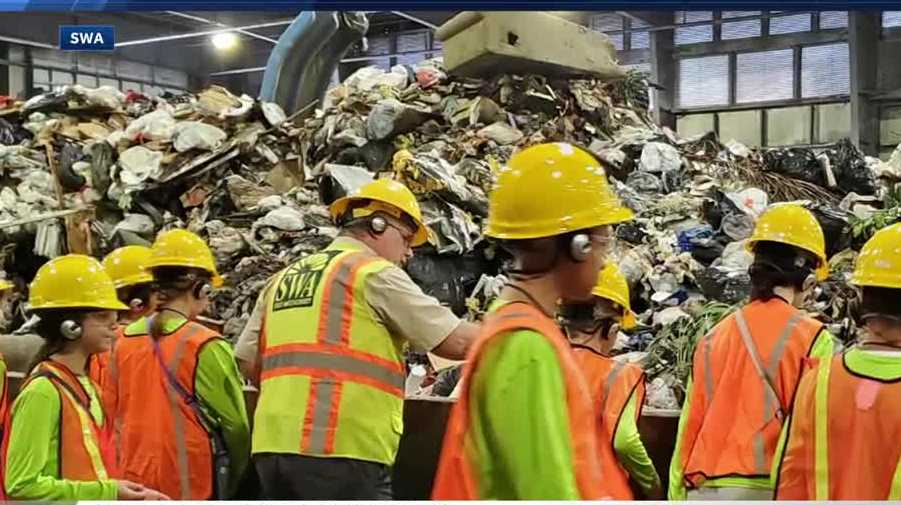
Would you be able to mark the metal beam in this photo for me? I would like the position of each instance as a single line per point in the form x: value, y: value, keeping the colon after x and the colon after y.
x: 415, y: 19
x: 221, y: 25
x: 25, y: 42
x: 761, y: 43
x: 652, y: 18
x: 353, y: 59
x: 180, y: 36
x: 863, y: 44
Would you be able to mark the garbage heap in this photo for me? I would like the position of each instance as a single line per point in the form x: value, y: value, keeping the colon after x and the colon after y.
x: 256, y: 184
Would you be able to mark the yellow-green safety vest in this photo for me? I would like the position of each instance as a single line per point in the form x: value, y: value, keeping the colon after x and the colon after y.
x: 332, y: 376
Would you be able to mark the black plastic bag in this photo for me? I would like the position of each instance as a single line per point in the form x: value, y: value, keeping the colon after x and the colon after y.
x: 101, y: 163
x: 850, y: 169
x: 836, y: 228
x: 724, y: 286
x: 797, y: 163
x: 450, y: 278
x: 68, y: 178
x: 11, y: 134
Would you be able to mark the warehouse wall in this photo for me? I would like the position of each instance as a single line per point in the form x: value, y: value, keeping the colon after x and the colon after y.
x: 31, y: 68
x: 889, y: 79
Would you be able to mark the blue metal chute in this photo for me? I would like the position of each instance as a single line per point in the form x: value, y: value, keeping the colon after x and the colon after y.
x: 308, y: 52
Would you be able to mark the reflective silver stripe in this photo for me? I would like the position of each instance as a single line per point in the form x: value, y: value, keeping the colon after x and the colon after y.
x: 336, y: 362
x: 771, y: 403
x: 323, y: 393
x: 338, y: 301
x: 608, y: 384
x: 708, y: 373
x: 181, y: 448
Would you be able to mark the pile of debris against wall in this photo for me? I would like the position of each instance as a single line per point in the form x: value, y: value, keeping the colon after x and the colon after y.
x: 88, y: 170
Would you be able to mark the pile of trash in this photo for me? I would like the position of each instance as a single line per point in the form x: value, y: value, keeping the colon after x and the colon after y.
x: 256, y: 183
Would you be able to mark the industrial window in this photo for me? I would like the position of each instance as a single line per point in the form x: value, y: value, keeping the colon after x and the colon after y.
x: 764, y: 76
x: 41, y: 77
x: 378, y: 45
x: 131, y: 86
x: 825, y: 70
x: 740, y: 29
x: 640, y: 39
x: 891, y: 19
x: 789, y: 24
x: 89, y: 81
x: 694, y: 34
x: 103, y: 81
x: 703, y: 81
x: 609, y: 23
x: 409, y: 42
x: 833, y: 19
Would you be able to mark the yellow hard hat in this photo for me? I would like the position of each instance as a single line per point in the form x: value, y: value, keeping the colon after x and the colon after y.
x: 127, y: 266
x: 879, y: 262
x: 386, y: 196
x: 551, y: 189
x: 612, y: 285
x: 73, y: 281
x: 181, y: 248
x: 793, y: 225
x: 5, y: 284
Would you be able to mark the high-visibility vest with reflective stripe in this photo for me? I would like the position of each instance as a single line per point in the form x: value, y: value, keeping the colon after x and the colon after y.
x: 102, y: 370
x: 332, y: 375
x: 734, y: 421
x: 457, y: 477
x: 163, y: 444
x: 611, y: 384
x: 85, y: 453
x: 845, y: 437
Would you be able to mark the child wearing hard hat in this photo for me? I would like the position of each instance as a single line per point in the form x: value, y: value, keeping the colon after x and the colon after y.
x: 844, y: 436
x: 524, y: 426
x: 745, y: 371
x: 57, y: 446
x: 127, y: 267
x: 179, y: 405
x: 617, y: 387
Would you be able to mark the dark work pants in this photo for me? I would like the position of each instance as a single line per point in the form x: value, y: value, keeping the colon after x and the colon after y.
x: 295, y: 477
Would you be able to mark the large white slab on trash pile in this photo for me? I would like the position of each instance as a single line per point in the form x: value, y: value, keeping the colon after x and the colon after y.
x: 487, y: 44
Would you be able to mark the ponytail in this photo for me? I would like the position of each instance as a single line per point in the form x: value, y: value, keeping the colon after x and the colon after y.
x: 171, y: 283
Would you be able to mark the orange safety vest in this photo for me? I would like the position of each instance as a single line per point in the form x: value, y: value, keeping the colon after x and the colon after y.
x: 163, y: 444
x: 85, y: 453
x: 456, y: 477
x: 844, y: 438
x: 105, y: 375
x: 734, y: 421
x: 611, y: 384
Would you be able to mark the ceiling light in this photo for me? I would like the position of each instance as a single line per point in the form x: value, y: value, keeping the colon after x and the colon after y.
x: 224, y: 41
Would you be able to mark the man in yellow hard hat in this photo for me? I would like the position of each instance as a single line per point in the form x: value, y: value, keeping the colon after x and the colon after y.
x: 178, y: 398
x: 844, y: 437
x: 746, y: 370
x: 127, y: 267
x: 525, y: 426
x: 617, y: 387
x: 327, y: 340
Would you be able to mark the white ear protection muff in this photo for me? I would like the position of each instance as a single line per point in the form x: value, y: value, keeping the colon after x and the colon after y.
x: 136, y: 304
x: 580, y: 247
x: 378, y: 225
x: 70, y: 330
x: 203, y: 290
